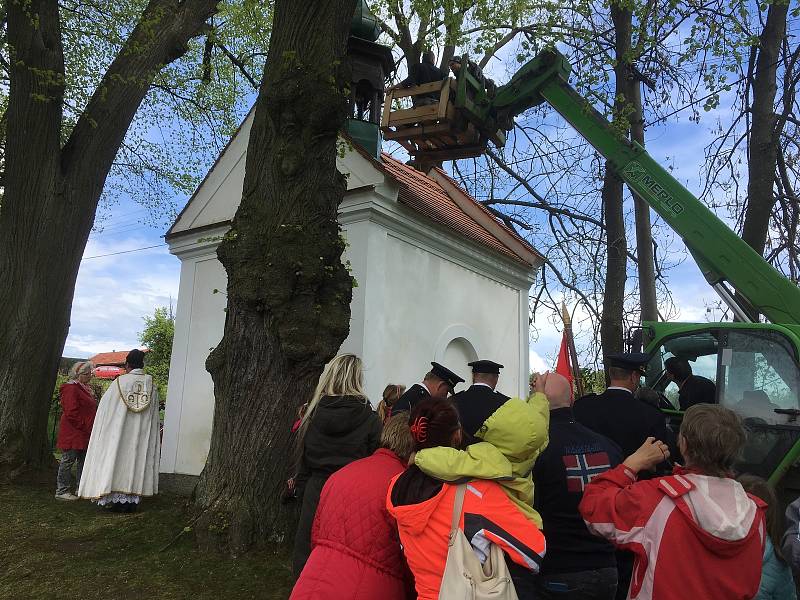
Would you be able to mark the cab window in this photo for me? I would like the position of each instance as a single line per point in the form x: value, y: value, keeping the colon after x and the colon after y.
x: 760, y: 375
x: 699, y: 350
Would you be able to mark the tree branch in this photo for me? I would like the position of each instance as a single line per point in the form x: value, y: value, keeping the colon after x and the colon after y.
x: 239, y: 65
x: 160, y: 37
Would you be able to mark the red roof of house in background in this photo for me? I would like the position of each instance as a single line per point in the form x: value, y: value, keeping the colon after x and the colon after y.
x: 424, y: 195
x: 111, y: 358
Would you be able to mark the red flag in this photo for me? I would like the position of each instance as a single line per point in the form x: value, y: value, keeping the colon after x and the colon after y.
x: 563, y: 363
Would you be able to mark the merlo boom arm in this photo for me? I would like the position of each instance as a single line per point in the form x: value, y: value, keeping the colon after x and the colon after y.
x: 723, y: 257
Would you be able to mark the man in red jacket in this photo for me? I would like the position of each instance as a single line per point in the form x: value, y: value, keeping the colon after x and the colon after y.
x: 696, y: 534
x: 79, y: 407
x: 355, y: 548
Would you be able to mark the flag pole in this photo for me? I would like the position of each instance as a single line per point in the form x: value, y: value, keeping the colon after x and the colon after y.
x: 573, y: 355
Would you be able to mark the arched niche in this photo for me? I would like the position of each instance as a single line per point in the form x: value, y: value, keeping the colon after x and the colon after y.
x: 456, y: 347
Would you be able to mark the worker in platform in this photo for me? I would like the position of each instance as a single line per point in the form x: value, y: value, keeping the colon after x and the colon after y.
x: 439, y: 383
x: 420, y: 73
x: 474, y: 69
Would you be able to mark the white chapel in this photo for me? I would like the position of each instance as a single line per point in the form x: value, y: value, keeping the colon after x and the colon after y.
x: 439, y: 279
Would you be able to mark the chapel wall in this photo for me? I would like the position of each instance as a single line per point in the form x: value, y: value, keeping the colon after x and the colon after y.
x: 422, y: 306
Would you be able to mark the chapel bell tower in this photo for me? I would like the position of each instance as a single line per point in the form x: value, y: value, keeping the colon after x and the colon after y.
x: 370, y: 65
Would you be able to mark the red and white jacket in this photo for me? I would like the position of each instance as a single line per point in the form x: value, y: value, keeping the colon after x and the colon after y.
x: 695, y: 537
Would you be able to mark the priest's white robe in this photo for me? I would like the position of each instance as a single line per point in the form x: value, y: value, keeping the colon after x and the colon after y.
x: 124, y: 449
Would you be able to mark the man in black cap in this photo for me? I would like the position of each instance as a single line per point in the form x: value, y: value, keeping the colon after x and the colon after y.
x: 474, y: 401
x: 617, y: 413
x: 439, y: 382
x: 626, y: 420
x: 455, y: 65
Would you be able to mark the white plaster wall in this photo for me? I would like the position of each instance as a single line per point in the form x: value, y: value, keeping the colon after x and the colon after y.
x: 218, y: 197
x: 199, y: 325
x: 190, y: 395
x: 419, y: 302
x: 423, y: 294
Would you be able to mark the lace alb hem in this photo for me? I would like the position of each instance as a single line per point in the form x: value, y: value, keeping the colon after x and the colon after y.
x: 117, y: 497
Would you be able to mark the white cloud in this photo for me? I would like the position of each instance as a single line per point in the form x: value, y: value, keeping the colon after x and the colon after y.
x: 537, y: 363
x: 114, y: 293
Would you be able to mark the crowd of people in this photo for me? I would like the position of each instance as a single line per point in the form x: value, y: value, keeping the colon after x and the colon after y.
x: 114, y: 445
x: 432, y: 496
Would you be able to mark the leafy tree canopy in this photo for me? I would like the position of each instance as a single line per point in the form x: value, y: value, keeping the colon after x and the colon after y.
x: 192, y: 109
x: 157, y: 337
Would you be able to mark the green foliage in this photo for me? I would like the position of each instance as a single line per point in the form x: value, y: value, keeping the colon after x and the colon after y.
x: 192, y: 109
x: 474, y: 26
x: 593, y: 381
x: 157, y: 337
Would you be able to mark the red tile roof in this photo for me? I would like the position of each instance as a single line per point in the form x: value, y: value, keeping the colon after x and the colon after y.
x: 111, y: 358
x: 427, y: 197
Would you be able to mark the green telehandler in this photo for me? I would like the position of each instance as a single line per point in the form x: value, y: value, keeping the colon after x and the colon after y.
x: 754, y: 365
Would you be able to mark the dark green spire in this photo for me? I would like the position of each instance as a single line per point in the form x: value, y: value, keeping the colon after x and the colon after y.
x: 364, y: 24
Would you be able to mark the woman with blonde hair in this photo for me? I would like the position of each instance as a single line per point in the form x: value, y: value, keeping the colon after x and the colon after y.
x: 338, y: 427
x: 391, y: 394
x: 77, y: 418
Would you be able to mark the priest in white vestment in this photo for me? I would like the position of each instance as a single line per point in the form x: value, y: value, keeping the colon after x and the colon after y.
x: 122, y: 460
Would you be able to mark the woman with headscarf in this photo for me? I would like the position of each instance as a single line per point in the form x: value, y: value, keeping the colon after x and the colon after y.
x: 78, y: 407
x: 338, y: 427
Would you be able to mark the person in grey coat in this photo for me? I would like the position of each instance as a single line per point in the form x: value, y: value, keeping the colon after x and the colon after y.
x: 790, y: 544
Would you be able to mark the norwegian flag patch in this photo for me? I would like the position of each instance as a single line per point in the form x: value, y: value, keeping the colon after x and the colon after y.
x: 582, y: 468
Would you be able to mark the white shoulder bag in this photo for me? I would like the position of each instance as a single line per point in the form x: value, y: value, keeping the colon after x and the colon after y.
x: 464, y: 577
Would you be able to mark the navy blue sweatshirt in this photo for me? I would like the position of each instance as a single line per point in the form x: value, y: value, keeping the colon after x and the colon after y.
x: 573, y: 457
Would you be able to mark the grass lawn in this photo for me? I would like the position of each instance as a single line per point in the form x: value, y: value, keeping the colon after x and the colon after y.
x: 59, y: 550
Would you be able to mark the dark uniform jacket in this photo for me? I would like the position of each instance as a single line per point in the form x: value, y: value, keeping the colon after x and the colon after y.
x: 412, y: 395
x: 423, y: 73
x: 573, y: 457
x: 474, y: 404
x: 696, y: 390
x: 479, y: 393
x: 624, y: 419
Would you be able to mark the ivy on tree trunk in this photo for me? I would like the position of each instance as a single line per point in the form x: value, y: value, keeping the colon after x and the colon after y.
x: 288, y: 291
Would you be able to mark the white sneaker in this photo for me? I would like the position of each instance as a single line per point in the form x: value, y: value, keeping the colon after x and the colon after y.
x: 66, y: 496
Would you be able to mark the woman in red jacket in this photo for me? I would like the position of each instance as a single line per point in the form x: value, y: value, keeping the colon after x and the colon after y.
x: 694, y: 534
x: 423, y: 507
x: 355, y: 550
x: 78, y: 409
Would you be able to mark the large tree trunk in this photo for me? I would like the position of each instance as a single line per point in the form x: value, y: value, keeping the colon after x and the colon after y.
x: 288, y: 292
x: 27, y: 367
x: 764, y: 138
x: 644, y: 236
x: 47, y: 211
x: 611, y: 325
